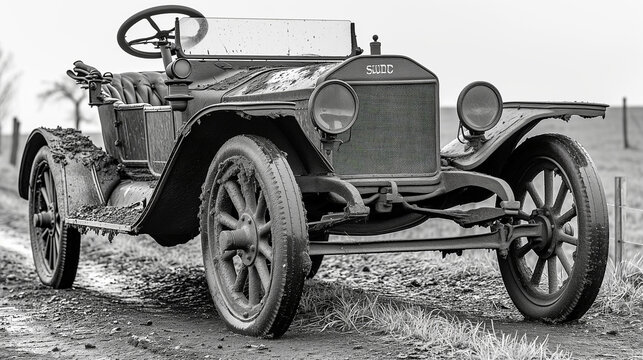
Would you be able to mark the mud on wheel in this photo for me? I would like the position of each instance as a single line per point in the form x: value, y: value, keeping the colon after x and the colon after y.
x: 54, y: 244
x: 254, y: 237
x: 556, y: 277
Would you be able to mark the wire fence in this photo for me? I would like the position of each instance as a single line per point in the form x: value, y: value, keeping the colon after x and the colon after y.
x: 627, y: 229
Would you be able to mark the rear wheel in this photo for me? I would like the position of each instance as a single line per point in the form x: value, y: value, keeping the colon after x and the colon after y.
x: 254, y: 237
x: 556, y: 277
x: 54, y: 244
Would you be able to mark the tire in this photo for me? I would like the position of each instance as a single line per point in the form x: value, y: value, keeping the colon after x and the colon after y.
x: 54, y: 244
x: 254, y: 237
x: 575, y: 247
x: 316, y: 260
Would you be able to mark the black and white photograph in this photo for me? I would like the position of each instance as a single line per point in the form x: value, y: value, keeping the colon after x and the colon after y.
x: 321, y: 180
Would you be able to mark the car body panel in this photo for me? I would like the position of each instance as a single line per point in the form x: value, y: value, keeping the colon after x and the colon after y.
x: 517, y: 119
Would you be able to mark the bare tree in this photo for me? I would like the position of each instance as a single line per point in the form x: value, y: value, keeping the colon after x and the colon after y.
x: 66, y: 89
x: 7, y: 83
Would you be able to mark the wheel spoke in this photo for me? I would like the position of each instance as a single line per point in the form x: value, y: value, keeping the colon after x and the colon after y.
x: 141, y: 40
x: 531, y: 189
x: 49, y: 186
x: 560, y: 253
x: 549, y: 187
x: 248, y: 191
x: 254, y: 286
x: 264, y: 229
x: 45, y: 196
x: 241, y: 279
x: 227, y: 220
x: 153, y: 23
x: 523, y: 250
x: 560, y: 198
x: 260, y: 213
x: 552, y: 274
x: 568, y: 238
x: 265, y: 249
x: 228, y: 255
x: 538, y: 272
x: 264, y: 273
x: 235, y: 196
x: 567, y: 216
x: 44, y: 239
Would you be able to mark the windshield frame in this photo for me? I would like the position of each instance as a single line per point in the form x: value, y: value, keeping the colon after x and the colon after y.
x: 355, y: 50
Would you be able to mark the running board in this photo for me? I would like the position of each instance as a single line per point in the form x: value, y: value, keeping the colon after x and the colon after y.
x: 98, y: 225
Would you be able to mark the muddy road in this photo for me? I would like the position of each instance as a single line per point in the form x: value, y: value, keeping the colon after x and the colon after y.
x: 125, y: 308
x: 136, y: 310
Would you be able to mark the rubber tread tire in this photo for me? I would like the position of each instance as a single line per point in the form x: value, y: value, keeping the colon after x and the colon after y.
x: 65, y: 270
x: 593, y: 233
x: 285, y: 204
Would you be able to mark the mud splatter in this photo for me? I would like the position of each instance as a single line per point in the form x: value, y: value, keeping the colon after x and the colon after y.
x: 72, y: 144
x: 126, y: 215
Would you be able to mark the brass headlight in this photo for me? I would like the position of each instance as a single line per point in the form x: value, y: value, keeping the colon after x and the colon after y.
x: 479, y: 106
x: 333, y: 106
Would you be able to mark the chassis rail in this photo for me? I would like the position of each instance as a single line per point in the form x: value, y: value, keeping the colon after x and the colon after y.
x: 500, y: 238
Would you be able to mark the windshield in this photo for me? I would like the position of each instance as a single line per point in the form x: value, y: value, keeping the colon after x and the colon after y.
x: 265, y: 37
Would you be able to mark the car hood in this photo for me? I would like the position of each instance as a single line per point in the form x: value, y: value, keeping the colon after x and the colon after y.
x: 282, y: 80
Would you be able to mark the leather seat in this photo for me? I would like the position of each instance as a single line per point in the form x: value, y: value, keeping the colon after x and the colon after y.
x: 138, y: 87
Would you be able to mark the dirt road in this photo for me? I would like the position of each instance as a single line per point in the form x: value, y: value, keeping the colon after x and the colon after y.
x: 133, y: 309
x: 138, y: 312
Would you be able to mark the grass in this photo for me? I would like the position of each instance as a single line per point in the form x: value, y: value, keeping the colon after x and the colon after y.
x: 622, y: 290
x: 429, y: 330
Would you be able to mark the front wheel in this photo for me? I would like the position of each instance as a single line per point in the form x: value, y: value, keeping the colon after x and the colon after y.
x: 254, y: 237
x: 556, y: 277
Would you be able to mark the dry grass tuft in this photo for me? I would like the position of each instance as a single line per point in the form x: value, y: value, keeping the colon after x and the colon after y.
x: 622, y: 290
x: 435, y: 332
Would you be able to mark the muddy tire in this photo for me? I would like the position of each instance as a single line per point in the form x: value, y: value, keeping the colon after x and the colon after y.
x: 254, y: 237
x: 54, y: 244
x: 556, y: 277
x: 316, y: 260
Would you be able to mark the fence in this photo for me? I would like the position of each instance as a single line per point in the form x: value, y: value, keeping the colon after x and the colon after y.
x: 620, y: 217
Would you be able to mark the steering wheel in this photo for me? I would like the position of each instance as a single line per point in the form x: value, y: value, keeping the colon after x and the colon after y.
x: 160, y: 35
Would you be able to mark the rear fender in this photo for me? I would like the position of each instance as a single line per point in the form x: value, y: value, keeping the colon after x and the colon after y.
x: 518, y: 118
x: 172, y: 214
x: 83, y: 173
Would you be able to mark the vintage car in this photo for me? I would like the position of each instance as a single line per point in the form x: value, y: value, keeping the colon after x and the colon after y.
x: 265, y: 136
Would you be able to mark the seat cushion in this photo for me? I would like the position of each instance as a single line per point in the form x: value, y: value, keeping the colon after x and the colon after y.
x: 138, y: 87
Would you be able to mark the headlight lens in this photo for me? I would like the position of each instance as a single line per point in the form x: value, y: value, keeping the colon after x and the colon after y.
x: 479, y: 106
x: 334, y: 106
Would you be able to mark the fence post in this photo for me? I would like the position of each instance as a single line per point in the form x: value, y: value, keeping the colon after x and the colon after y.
x: 626, y: 143
x: 619, y: 198
x: 15, y: 141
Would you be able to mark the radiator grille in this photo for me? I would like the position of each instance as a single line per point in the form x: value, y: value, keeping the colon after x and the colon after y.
x: 395, y: 132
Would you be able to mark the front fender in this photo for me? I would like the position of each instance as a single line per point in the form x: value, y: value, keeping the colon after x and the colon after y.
x: 518, y: 118
x: 172, y: 214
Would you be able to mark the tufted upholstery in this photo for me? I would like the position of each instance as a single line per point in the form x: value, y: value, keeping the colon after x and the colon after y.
x: 138, y: 87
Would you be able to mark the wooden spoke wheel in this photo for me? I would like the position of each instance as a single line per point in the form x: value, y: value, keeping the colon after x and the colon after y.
x: 556, y: 277
x: 55, y: 246
x: 254, y: 238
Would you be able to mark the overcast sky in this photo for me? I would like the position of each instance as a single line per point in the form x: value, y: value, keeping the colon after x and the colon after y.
x: 531, y: 50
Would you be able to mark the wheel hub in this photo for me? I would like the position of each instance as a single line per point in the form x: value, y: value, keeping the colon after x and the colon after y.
x: 544, y: 245
x: 44, y: 219
x: 245, y: 239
